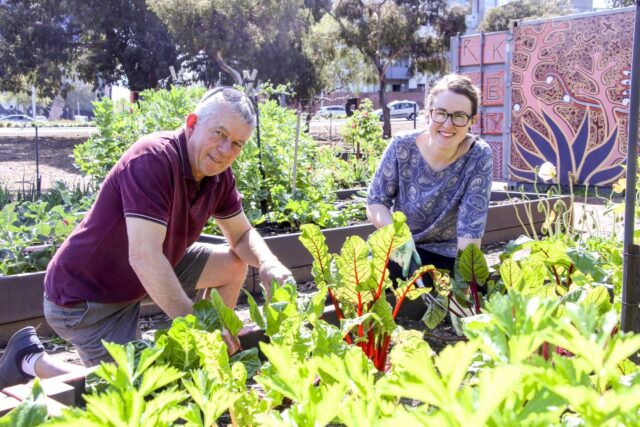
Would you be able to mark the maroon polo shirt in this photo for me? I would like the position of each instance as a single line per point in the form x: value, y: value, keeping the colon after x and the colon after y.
x: 153, y: 180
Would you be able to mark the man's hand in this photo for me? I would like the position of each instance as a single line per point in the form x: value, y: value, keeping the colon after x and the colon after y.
x: 403, y: 255
x: 273, y: 269
x: 233, y: 344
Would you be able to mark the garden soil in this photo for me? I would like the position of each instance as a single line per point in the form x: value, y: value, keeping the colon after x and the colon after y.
x: 18, y: 172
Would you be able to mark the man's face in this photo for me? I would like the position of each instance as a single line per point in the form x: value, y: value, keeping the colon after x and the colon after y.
x: 216, y: 143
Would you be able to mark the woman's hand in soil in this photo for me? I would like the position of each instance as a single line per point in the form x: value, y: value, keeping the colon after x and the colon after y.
x: 271, y: 270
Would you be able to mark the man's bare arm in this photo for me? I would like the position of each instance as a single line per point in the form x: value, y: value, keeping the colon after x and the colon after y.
x: 153, y: 269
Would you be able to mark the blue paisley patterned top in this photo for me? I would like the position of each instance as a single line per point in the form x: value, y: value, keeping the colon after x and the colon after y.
x: 440, y: 206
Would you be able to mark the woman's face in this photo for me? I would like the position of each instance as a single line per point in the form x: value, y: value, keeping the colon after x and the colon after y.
x: 450, y: 107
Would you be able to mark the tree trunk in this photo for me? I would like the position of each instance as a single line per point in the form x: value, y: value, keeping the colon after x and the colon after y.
x: 237, y: 78
x: 386, y: 127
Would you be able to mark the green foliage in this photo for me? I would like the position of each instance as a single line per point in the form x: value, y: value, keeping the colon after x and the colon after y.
x: 31, y: 412
x: 118, y: 128
x: 362, y: 134
x: 356, y: 280
x: 384, y: 32
x: 137, y: 394
x: 47, y: 43
x: 261, y: 34
x: 30, y: 232
x: 309, y: 199
x: 500, y: 18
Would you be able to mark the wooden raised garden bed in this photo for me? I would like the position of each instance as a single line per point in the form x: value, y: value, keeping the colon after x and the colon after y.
x: 67, y: 390
x: 21, y: 295
x: 502, y: 225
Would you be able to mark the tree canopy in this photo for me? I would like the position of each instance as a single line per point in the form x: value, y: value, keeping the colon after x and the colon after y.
x: 47, y: 42
x: 500, y: 18
x: 246, y: 34
x: 384, y: 31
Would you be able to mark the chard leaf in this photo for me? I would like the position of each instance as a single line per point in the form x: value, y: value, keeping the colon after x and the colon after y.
x: 533, y: 277
x: 249, y: 358
x: 473, y: 265
x: 313, y: 307
x: 346, y: 325
x: 354, y: 269
x: 254, y: 311
x: 282, y: 307
x: 228, y: 316
x: 599, y: 297
x: 415, y: 291
x: 179, y: 344
x: 384, y: 323
x: 435, y: 313
x: 587, y: 263
x: 327, y: 339
x: 315, y: 242
x: 209, y: 318
x: 212, y: 353
x: 511, y: 274
x: 383, y: 242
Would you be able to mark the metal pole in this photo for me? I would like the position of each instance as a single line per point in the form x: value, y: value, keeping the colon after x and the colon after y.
x: 295, y: 156
x: 330, y: 128
x: 264, y: 208
x: 630, y: 315
x: 415, y: 114
x: 38, y: 179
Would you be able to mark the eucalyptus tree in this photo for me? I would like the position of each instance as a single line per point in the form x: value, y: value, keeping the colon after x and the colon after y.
x: 384, y: 31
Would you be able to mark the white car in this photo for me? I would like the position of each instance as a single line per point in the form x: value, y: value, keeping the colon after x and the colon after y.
x: 21, y: 118
x: 401, y: 109
x: 332, y: 111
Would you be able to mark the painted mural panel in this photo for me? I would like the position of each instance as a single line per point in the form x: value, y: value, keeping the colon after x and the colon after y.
x: 493, y: 88
x: 492, y: 123
x: 494, y: 51
x: 570, y: 97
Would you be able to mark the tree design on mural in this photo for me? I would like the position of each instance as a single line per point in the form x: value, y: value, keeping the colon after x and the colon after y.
x: 570, y: 157
x: 570, y: 96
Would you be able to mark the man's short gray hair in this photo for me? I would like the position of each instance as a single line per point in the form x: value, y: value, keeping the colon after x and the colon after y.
x: 226, y: 97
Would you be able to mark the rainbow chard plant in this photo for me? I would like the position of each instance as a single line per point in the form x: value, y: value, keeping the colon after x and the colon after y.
x: 357, y: 279
x: 461, y: 296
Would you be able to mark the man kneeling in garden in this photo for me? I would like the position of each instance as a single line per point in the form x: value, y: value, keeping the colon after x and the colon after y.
x: 140, y: 237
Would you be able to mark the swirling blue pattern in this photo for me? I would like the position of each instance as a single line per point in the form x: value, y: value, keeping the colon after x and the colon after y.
x: 440, y: 206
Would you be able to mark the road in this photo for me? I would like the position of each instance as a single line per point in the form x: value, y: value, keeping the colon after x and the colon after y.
x: 48, y: 131
x: 330, y: 129
x: 322, y: 129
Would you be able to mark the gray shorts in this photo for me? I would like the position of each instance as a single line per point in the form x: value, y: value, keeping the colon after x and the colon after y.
x: 86, y: 324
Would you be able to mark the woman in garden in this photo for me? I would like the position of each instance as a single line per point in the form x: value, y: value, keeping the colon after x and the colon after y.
x: 440, y: 178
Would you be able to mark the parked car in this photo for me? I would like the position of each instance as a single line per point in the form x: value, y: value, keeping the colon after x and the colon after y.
x: 16, y: 118
x: 400, y: 109
x: 41, y: 119
x: 332, y: 111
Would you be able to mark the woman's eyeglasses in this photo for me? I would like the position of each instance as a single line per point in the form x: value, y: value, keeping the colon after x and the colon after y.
x: 458, y: 118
